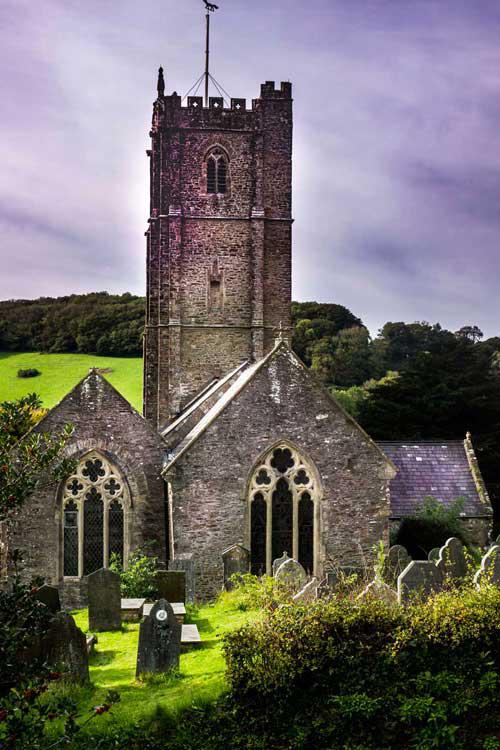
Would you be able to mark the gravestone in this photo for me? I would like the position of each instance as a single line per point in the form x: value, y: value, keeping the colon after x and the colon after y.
x: 104, y: 597
x: 159, y: 640
x: 49, y: 595
x: 379, y: 590
x: 323, y: 589
x: 64, y: 647
x: 279, y: 561
x: 418, y: 580
x: 397, y: 559
x: 132, y: 609
x: 451, y: 561
x: 185, y: 564
x: 490, y: 567
x: 171, y: 585
x: 433, y: 555
x: 332, y: 578
x: 236, y: 561
x: 291, y: 574
x: 307, y: 594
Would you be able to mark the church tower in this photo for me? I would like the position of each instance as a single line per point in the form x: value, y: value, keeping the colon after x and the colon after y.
x: 219, y: 240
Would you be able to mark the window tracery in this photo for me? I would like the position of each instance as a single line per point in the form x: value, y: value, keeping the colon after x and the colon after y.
x: 283, y: 497
x: 95, y: 502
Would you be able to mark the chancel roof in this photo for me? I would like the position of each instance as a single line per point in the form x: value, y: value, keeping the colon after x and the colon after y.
x: 445, y: 470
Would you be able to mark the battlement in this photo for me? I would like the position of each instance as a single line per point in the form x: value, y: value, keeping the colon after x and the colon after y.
x: 268, y: 90
x: 216, y: 104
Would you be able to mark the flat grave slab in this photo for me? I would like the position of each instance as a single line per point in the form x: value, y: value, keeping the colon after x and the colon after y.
x: 132, y: 609
x: 189, y: 636
x: 178, y: 607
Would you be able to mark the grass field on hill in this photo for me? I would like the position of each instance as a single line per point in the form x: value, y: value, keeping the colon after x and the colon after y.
x: 61, y: 372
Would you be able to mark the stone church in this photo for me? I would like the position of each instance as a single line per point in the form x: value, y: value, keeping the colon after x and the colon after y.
x: 238, y: 442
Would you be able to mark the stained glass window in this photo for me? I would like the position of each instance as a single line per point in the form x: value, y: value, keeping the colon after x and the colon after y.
x: 115, y: 525
x: 70, y: 539
x: 306, y: 532
x: 258, y: 512
x: 282, y: 530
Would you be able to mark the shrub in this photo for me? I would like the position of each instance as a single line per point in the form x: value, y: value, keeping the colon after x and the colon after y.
x: 139, y: 578
x: 30, y: 372
x: 430, y: 526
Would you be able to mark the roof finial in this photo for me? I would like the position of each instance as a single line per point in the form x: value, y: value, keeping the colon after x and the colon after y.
x: 161, y: 84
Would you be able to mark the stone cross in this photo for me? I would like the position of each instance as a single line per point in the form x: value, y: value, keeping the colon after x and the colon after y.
x: 159, y: 640
x: 397, y: 559
x: 49, y: 595
x: 490, y: 567
x: 291, y: 574
x: 451, y: 561
x: 236, y: 561
x: 104, y: 600
x: 418, y: 580
x: 171, y: 585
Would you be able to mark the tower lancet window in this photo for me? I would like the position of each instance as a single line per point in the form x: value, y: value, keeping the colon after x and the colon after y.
x: 284, y: 510
x: 95, y: 504
x: 216, y: 171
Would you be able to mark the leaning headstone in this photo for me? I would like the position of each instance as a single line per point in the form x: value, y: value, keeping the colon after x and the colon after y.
x: 171, y: 585
x: 292, y: 575
x: 433, y: 555
x: 490, y: 567
x: 103, y: 591
x: 308, y: 593
x: 451, y: 561
x: 64, y: 647
x: 397, y: 559
x: 418, y: 580
x: 185, y: 564
x: 379, y: 590
x: 49, y: 595
x: 279, y: 561
x: 236, y: 561
x: 159, y: 640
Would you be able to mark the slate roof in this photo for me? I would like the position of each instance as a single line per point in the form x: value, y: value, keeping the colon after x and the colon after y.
x: 440, y: 469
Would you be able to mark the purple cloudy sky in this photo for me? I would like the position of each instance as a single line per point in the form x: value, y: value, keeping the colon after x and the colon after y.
x: 396, y: 150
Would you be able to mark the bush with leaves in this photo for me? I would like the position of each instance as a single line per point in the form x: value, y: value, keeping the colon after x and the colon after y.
x: 138, y: 579
x: 430, y: 526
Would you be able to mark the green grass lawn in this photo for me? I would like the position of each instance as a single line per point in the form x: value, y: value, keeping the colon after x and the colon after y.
x: 61, y: 372
x: 201, y: 676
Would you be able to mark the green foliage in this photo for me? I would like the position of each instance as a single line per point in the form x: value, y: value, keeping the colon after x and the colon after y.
x: 27, y: 459
x: 138, y: 580
x: 430, y: 526
x: 30, y: 372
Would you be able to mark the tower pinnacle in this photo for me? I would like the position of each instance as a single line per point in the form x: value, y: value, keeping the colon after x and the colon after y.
x: 161, y: 84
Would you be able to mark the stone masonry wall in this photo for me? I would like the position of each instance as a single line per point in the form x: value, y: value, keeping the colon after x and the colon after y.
x: 209, y: 482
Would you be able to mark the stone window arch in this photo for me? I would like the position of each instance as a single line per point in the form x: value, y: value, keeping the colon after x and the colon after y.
x: 95, y: 509
x: 217, y: 171
x: 284, y: 492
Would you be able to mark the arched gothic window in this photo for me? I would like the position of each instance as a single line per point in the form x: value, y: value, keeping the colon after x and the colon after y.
x: 95, y: 502
x: 217, y: 171
x: 283, y: 518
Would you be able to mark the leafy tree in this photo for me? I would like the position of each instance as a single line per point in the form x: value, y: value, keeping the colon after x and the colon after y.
x: 471, y: 333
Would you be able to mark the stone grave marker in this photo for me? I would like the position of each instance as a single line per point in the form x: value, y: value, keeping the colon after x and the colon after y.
x: 187, y: 565
x: 171, y: 585
x: 159, y: 640
x: 490, y: 567
x: 291, y: 574
x: 132, y: 609
x: 103, y: 591
x: 236, y: 561
x: 433, y: 555
x: 332, y: 578
x: 397, y: 559
x: 379, y: 590
x: 307, y: 594
x: 49, y: 595
x: 64, y: 647
x: 451, y: 561
x: 418, y: 580
x: 279, y: 561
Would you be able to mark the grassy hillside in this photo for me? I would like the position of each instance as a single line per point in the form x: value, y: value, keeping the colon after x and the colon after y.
x: 60, y: 372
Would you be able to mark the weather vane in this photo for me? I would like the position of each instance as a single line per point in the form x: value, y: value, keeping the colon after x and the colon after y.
x: 210, y: 8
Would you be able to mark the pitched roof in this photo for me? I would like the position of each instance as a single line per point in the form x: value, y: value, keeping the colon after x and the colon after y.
x: 444, y: 469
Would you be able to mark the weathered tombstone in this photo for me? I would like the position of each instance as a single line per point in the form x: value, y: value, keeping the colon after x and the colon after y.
x: 490, y: 567
x: 451, y: 561
x: 291, y: 574
x: 103, y: 591
x: 64, y: 647
x: 433, y: 555
x: 49, y: 595
x: 185, y: 564
x: 171, y: 585
x: 418, y: 580
x: 323, y: 589
x: 332, y: 578
x: 308, y: 593
x: 159, y: 640
x: 236, y: 561
x: 279, y: 561
x: 397, y: 559
x: 379, y: 590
